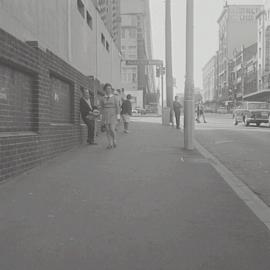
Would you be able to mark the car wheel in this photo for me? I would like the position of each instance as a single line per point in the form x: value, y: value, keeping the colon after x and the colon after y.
x: 235, y: 121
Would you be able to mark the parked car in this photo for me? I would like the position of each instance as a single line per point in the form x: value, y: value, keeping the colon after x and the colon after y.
x: 252, y: 113
x: 140, y: 110
x: 135, y: 113
x: 222, y: 110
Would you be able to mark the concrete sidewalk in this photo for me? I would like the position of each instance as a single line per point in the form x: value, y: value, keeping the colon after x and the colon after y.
x: 147, y: 205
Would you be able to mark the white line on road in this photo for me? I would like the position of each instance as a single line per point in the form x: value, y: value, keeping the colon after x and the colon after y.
x: 223, y: 142
x: 257, y: 206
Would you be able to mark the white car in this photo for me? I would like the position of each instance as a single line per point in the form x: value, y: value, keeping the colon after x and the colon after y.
x: 252, y: 113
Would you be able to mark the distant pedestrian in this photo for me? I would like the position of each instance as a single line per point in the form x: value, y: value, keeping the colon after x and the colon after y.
x: 88, y: 110
x: 177, y: 111
x: 200, y: 112
x: 117, y: 94
x: 123, y: 95
x: 110, y: 113
x: 126, y: 112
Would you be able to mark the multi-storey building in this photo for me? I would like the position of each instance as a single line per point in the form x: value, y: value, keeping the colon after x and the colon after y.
x: 244, y: 72
x: 110, y: 14
x: 49, y: 52
x: 209, y: 79
x: 237, y: 27
x: 263, y: 23
x: 136, y: 44
x: 71, y: 29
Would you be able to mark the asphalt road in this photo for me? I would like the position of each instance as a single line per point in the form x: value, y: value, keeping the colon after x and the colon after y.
x: 243, y: 150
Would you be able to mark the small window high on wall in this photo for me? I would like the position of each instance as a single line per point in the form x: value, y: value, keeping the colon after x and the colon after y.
x: 62, y: 96
x: 80, y: 6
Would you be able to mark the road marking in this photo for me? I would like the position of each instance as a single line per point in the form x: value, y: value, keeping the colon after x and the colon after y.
x: 257, y: 206
x: 222, y: 142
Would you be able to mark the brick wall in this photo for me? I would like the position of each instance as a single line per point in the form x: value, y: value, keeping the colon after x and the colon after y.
x: 39, y: 105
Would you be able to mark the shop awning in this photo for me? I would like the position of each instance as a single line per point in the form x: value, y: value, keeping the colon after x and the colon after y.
x: 263, y: 96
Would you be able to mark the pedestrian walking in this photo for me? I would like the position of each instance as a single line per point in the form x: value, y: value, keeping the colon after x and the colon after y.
x: 110, y: 113
x: 177, y: 111
x: 117, y: 94
x: 123, y: 95
x: 126, y: 112
x: 88, y: 113
x: 200, y: 112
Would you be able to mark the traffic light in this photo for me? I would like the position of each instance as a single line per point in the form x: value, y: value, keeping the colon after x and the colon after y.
x: 158, y: 72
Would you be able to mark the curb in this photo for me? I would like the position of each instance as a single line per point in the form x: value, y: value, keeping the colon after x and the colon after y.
x: 255, y: 204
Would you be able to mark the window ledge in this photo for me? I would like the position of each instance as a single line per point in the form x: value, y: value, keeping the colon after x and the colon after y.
x: 17, y: 134
x: 61, y: 124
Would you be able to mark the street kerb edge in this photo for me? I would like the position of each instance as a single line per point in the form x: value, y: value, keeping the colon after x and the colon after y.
x: 255, y: 204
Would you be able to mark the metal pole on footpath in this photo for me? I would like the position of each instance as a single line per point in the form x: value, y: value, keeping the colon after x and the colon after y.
x: 169, y: 75
x: 162, y: 88
x: 189, y: 83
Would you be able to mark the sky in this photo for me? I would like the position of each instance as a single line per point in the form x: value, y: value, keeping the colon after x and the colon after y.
x: 205, y: 34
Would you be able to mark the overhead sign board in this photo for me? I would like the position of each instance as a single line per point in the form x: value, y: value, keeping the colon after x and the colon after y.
x: 147, y: 62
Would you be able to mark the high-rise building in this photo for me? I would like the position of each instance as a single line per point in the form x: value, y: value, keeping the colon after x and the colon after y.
x: 110, y: 13
x: 263, y: 23
x: 72, y: 29
x: 244, y: 72
x: 136, y: 44
x: 209, y: 79
x: 237, y: 27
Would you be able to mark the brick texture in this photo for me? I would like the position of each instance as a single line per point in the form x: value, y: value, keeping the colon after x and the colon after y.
x: 39, y: 105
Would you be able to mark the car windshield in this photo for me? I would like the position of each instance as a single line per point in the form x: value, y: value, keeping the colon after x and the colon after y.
x: 258, y: 106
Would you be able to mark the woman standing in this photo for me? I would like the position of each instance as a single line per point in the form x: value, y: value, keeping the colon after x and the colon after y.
x: 110, y: 113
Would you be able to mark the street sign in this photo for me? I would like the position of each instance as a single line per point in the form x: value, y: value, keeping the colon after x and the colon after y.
x: 147, y: 62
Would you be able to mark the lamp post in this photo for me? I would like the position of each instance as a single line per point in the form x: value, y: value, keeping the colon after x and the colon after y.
x: 169, y: 76
x: 189, y: 83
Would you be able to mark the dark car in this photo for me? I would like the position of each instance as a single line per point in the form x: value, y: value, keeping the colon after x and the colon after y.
x: 252, y: 113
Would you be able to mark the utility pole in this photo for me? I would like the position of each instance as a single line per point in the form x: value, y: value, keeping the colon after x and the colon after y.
x: 169, y: 75
x: 162, y: 87
x: 189, y: 84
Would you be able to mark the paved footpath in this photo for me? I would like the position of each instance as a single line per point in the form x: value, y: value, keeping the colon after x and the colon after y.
x: 147, y: 205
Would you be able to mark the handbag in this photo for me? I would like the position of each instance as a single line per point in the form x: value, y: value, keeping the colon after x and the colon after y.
x: 93, y: 115
x: 103, y: 128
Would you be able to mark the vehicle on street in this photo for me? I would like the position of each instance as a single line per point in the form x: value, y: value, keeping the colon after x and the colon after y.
x: 142, y: 111
x: 222, y: 110
x: 252, y: 113
x: 135, y: 113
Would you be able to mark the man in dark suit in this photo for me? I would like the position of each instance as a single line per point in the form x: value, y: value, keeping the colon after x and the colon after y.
x: 86, y: 108
x: 177, y: 111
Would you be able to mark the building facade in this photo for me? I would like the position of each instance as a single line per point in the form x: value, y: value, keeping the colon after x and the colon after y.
x: 110, y: 14
x: 263, y: 23
x: 49, y: 52
x: 237, y: 27
x: 136, y: 44
x: 71, y: 29
x: 244, y: 72
x: 209, y: 80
